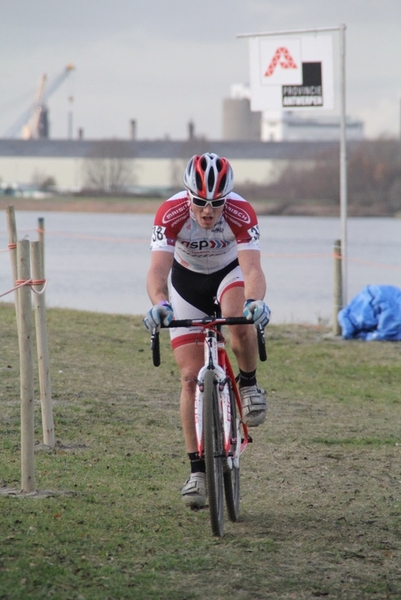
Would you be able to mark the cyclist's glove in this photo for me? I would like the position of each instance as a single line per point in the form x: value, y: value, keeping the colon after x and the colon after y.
x: 158, y: 314
x: 257, y: 311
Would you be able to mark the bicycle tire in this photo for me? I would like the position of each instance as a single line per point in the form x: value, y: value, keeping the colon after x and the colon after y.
x: 232, y: 475
x: 213, y: 447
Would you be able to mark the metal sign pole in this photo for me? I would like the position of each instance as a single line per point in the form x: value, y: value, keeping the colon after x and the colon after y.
x: 343, y: 168
x: 287, y: 32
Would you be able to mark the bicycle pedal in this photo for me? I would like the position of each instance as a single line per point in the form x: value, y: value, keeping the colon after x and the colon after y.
x: 249, y: 439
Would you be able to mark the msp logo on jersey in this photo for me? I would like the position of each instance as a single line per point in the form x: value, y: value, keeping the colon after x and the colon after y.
x: 205, y: 244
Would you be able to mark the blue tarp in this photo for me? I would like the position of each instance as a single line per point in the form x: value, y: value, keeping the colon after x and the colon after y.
x: 374, y: 314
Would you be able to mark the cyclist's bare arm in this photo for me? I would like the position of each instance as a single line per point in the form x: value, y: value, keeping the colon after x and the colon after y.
x: 254, y: 278
x: 160, y: 267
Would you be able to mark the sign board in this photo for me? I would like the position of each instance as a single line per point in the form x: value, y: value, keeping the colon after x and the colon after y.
x: 292, y: 73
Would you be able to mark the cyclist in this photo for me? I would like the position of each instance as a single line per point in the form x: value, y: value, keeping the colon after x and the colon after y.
x: 207, y: 237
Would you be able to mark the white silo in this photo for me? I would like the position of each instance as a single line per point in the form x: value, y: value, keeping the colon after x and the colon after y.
x: 239, y: 122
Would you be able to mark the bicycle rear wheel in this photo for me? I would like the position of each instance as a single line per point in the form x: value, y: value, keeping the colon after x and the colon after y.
x: 231, y: 475
x: 213, y: 445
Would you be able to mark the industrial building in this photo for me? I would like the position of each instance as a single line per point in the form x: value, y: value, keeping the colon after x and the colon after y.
x: 156, y: 164
x: 259, y: 146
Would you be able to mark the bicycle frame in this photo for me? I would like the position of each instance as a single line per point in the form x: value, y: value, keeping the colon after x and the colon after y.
x: 221, y: 434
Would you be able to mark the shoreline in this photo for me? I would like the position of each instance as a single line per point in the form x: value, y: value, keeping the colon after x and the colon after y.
x: 150, y: 206
x: 89, y: 205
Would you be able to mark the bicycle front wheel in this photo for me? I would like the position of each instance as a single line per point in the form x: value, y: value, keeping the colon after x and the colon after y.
x: 231, y: 472
x: 213, y: 445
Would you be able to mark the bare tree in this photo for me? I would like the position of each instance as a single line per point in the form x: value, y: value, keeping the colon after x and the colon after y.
x: 375, y: 174
x: 43, y: 181
x: 374, y: 180
x: 109, y: 168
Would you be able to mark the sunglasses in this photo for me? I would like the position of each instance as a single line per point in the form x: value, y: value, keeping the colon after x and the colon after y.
x: 202, y: 203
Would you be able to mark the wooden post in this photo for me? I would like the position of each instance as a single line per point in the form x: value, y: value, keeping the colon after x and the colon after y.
x: 26, y: 369
x: 338, y: 288
x: 39, y: 306
x: 12, y: 246
x: 41, y: 238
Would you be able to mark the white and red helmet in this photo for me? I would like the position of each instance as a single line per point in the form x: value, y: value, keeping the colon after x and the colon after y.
x: 209, y: 176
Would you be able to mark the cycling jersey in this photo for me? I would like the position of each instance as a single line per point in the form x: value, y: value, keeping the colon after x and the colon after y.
x: 205, y: 250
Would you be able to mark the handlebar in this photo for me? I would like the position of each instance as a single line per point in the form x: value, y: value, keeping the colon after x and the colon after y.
x: 261, y: 343
x: 207, y: 321
x: 204, y: 321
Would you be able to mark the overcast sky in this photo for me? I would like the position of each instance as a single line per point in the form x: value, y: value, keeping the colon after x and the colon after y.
x: 166, y: 62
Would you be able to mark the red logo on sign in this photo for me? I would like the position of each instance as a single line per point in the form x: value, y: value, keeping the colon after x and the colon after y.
x: 283, y: 58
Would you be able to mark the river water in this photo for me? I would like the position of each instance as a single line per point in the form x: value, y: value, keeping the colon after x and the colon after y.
x: 98, y: 262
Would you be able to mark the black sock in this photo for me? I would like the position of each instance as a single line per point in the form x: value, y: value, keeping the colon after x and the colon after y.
x: 247, y: 379
x: 197, y: 463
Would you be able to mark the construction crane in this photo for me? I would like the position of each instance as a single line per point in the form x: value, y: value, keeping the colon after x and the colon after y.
x: 33, y: 123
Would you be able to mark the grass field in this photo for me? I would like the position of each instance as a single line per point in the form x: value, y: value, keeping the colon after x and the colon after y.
x: 321, y: 509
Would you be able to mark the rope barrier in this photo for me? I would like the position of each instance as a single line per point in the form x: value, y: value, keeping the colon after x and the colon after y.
x: 331, y: 255
x: 374, y: 264
x: 82, y: 237
x: 31, y: 282
x: 9, y: 247
x: 336, y: 256
x: 276, y: 255
x: 97, y: 238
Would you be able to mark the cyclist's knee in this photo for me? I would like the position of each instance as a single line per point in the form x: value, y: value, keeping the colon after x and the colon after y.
x: 241, y: 335
x: 188, y: 380
x: 245, y: 345
x: 189, y: 360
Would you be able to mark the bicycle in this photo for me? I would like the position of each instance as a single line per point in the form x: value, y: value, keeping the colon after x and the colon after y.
x: 221, y: 434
